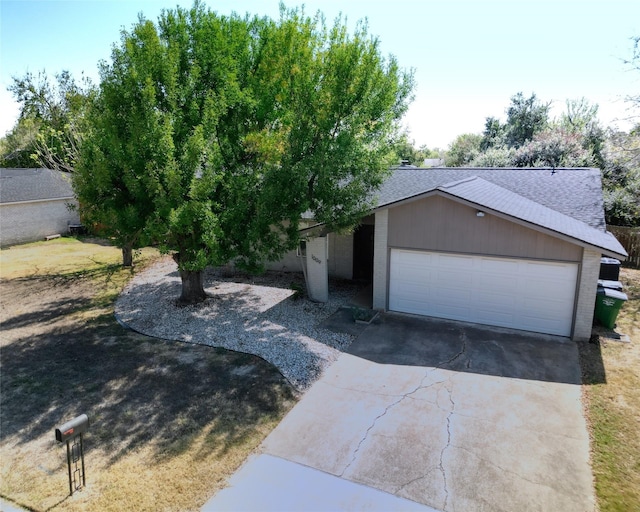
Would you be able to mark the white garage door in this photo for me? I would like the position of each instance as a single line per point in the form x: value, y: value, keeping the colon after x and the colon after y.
x: 521, y: 294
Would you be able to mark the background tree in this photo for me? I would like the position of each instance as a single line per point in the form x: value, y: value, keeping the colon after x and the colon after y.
x: 581, y: 119
x: 553, y: 148
x: 18, y: 147
x: 493, y: 135
x: 406, y: 151
x: 500, y: 156
x: 463, y: 150
x: 525, y: 118
x: 232, y: 128
x: 621, y: 178
x: 51, y: 121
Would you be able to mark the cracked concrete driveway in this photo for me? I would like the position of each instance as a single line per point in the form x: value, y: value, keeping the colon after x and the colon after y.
x: 453, y: 416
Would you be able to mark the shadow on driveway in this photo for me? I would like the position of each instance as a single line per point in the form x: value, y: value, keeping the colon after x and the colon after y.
x: 464, y: 347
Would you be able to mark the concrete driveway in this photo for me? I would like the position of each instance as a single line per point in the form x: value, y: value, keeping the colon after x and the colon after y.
x: 435, y: 415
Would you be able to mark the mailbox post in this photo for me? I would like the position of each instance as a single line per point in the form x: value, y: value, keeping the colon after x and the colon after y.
x: 71, y: 433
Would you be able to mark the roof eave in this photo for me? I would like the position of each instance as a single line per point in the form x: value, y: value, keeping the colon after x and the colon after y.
x: 536, y: 227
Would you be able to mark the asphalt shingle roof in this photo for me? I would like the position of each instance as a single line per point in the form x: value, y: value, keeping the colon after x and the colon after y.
x: 17, y: 185
x: 566, y: 201
x: 573, y: 192
x: 492, y: 197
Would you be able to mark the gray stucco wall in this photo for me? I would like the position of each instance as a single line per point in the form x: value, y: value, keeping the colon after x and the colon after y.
x: 440, y: 224
x: 340, y: 263
x: 32, y: 221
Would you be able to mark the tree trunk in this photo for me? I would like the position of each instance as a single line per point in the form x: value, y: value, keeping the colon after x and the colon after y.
x: 192, y: 287
x: 127, y: 255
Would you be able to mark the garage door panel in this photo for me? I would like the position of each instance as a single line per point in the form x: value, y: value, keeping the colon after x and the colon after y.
x: 507, y: 292
x: 493, y: 317
x: 497, y: 302
x: 494, y: 282
x: 454, y: 261
x: 498, y: 267
x: 453, y: 297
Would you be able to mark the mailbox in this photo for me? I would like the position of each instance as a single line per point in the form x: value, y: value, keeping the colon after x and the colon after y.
x: 72, y: 428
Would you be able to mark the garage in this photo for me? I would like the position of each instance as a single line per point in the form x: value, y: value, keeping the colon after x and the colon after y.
x: 531, y: 295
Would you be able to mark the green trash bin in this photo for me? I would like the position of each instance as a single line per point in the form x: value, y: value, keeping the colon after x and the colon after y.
x: 608, y: 305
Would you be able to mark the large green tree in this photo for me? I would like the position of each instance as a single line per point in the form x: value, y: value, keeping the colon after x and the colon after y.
x: 216, y: 134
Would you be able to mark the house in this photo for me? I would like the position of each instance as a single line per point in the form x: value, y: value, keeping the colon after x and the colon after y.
x: 509, y: 247
x: 34, y: 204
x: 433, y: 162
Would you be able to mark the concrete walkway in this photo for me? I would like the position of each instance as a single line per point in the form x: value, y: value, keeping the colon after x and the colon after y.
x: 271, y: 484
x: 434, y: 415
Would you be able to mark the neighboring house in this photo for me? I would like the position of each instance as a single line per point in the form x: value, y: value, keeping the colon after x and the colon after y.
x: 34, y: 205
x: 517, y: 248
x: 433, y: 162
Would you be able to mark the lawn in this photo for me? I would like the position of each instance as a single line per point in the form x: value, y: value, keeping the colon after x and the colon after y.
x: 169, y: 422
x: 611, y: 373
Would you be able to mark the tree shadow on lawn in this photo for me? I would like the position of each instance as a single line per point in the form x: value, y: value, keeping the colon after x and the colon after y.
x: 135, y: 390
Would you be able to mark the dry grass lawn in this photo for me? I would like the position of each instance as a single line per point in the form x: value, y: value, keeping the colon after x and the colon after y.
x: 169, y: 421
x: 611, y: 371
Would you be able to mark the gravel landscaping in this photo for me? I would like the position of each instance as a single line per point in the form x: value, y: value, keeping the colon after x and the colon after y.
x: 258, y: 315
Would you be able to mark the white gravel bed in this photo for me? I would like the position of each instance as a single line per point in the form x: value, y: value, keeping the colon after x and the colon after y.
x: 256, y: 315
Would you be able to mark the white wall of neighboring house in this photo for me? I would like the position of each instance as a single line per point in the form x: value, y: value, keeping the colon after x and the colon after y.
x: 30, y: 221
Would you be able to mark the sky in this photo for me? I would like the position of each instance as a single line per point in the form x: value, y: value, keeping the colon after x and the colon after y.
x: 469, y: 57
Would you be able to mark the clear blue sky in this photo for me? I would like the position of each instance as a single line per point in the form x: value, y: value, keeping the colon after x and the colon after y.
x: 469, y: 56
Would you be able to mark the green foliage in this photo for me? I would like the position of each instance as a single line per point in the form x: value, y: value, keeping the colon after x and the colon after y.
x: 463, y: 150
x: 493, y: 135
x: 579, y: 116
x: 212, y: 135
x: 406, y: 151
x: 18, y: 147
x: 525, y: 118
x: 581, y: 119
x: 621, y: 178
x: 298, y: 290
x: 51, y: 123
x: 553, y: 148
x: 494, y: 157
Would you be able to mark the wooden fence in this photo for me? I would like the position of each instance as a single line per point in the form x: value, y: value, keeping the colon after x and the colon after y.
x: 630, y: 240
